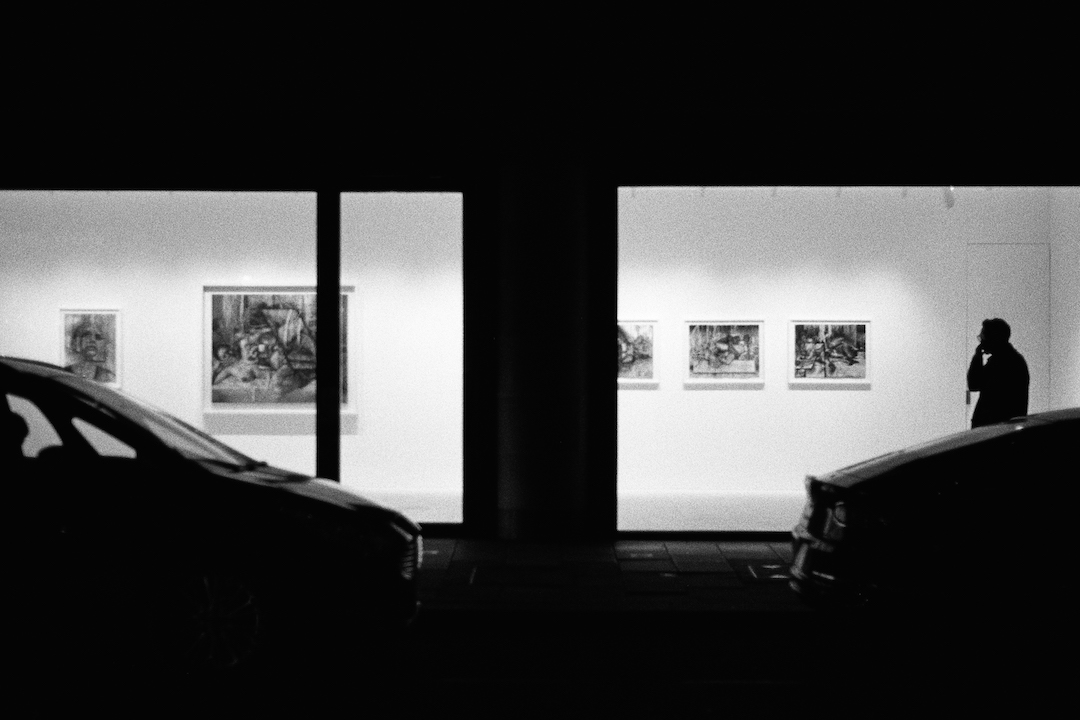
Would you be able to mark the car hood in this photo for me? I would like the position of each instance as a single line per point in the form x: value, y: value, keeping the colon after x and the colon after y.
x: 329, y: 492
x: 318, y: 489
x: 332, y: 492
x: 884, y: 464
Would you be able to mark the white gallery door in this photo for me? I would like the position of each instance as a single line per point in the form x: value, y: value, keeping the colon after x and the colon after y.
x: 1012, y: 281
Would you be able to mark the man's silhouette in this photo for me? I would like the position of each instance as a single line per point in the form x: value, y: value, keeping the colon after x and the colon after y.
x: 999, y: 374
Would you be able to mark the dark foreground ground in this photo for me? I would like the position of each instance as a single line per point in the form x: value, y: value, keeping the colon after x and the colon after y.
x: 636, y: 628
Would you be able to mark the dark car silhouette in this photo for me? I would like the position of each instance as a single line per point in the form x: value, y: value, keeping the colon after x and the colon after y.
x: 139, y: 543
x: 965, y: 521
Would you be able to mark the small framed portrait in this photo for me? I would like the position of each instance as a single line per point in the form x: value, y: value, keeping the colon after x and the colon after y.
x: 829, y: 352
x: 637, y: 353
x: 90, y: 344
x: 724, y: 352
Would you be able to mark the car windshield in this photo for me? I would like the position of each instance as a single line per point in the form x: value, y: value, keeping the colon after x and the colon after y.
x: 176, y: 434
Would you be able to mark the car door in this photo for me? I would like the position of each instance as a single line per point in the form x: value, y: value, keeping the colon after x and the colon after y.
x: 51, y: 593
x: 36, y: 523
x: 95, y: 502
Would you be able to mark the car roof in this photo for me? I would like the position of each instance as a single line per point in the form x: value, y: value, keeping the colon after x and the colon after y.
x: 34, y: 367
x: 1063, y: 414
x: 882, y: 464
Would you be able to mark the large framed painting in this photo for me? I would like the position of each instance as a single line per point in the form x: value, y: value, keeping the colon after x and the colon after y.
x: 829, y: 352
x: 724, y: 352
x: 637, y: 353
x: 260, y: 351
x: 90, y: 344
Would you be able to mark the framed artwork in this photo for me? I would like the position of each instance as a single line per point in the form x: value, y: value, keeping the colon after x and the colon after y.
x: 90, y: 344
x: 637, y: 352
x: 724, y: 352
x: 829, y: 352
x: 259, y: 348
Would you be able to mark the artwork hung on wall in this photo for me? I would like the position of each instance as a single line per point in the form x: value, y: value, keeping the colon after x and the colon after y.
x: 260, y: 350
x: 90, y: 344
x: 830, y: 352
x: 724, y: 352
x: 637, y: 352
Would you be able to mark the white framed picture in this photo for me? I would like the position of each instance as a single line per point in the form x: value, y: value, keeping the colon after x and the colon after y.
x: 637, y: 353
x: 90, y: 344
x: 827, y: 352
x: 259, y: 348
x: 724, y: 352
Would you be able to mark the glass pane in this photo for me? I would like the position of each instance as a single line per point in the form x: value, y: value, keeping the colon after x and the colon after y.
x: 40, y: 432
x: 118, y: 286
x: 103, y: 443
x: 402, y: 252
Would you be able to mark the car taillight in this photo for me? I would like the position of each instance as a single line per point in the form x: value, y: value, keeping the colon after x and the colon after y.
x: 411, y: 554
x: 808, y: 506
x: 836, y: 521
x: 413, y: 558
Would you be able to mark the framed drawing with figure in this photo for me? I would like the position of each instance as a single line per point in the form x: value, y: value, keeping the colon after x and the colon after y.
x: 637, y: 353
x: 724, y: 352
x: 829, y: 352
x: 90, y: 344
x: 260, y: 351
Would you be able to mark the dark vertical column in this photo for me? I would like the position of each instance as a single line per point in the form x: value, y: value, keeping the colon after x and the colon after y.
x: 600, y: 222
x: 555, y: 399
x: 480, y: 250
x: 328, y: 337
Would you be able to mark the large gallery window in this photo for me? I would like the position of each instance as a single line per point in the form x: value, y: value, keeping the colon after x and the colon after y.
x: 204, y: 304
x: 726, y: 293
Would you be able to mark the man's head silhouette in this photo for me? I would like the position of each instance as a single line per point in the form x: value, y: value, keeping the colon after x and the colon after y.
x: 995, y: 334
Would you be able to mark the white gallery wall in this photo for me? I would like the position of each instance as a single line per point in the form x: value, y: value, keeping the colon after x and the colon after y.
x: 403, y: 252
x: 150, y: 254
x: 735, y: 458
x: 1065, y: 297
